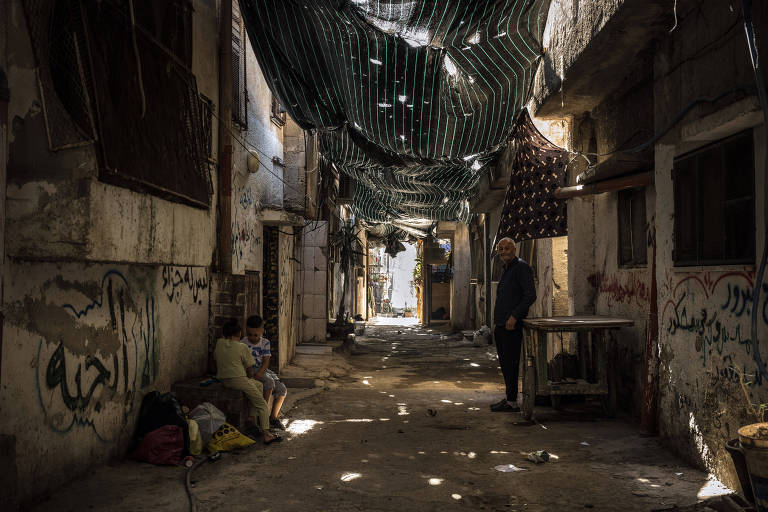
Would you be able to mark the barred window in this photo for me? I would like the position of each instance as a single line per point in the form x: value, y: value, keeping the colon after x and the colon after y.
x: 715, y: 203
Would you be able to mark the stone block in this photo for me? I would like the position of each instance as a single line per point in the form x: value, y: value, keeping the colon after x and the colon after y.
x: 319, y: 286
x: 319, y: 307
x: 307, y: 306
x: 308, y: 257
x: 320, y: 260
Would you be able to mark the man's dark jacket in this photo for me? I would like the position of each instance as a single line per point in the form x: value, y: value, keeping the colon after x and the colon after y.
x: 515, y: 294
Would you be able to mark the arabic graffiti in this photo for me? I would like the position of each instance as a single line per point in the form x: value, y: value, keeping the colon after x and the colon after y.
x: 90, y: 365
x: 246, y: 197
x: 243, y: 234
x: 715, y: 309
x: 628, y: 289
x: 178, y: 279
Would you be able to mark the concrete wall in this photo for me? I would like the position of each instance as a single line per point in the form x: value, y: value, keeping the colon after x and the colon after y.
x: 314, y: 276
x: 462, y: 269
x: 704, y: 339
x: 83, y: 343
x: 288, y: 331
x: 104, y: 286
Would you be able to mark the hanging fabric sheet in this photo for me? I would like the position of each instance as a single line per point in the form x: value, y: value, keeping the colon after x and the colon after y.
x: 538, y: 168
x: 412, y: 98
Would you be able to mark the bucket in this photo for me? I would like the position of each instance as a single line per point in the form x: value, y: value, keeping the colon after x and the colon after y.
x: 740, y: 463
x: 753, y: 441
x: 359, y: 328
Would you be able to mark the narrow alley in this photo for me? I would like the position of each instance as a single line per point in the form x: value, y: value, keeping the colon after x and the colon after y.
x: 500, y: 255
x: 407, y: 427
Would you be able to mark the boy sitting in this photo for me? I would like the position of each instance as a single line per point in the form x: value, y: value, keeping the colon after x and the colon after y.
x: 234, y: 365
x: 260, y: 349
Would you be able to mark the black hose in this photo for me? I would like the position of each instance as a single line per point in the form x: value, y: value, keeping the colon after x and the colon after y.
x: 188, y: 483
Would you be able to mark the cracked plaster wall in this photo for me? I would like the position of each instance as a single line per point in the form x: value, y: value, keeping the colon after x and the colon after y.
x: 704, y: 335
x: 105, y: 289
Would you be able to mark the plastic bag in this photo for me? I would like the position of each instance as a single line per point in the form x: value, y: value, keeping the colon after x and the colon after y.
x: 228, y: 438
x: 163, y: 446
x: 195, y: 439
x: 158, y: 410
x: 208, y: 419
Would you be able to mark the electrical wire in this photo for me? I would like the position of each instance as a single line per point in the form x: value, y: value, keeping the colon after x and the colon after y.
x: 248, y: 147
x: 749, y: 30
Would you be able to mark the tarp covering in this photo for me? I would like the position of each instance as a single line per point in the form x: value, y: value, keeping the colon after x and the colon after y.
x: 538, y: 168
x: 412, y: 98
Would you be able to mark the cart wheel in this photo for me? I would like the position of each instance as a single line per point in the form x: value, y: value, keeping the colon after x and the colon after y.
x: 529, y: 388
x: 557, y: 402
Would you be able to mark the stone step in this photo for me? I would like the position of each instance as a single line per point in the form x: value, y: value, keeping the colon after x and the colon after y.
x: 315, y: 349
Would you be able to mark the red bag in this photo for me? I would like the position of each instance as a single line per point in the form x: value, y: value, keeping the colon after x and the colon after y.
x: 164, y: 446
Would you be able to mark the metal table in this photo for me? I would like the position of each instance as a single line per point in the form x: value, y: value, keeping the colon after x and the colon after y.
x: 536, y: 379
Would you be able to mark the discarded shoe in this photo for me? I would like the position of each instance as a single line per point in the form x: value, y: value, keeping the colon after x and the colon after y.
x: 504, y: 407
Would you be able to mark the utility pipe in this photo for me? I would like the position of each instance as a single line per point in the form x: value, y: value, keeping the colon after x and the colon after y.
x: 633, y: 181
x: 5, y: 98
x: 225, y: 138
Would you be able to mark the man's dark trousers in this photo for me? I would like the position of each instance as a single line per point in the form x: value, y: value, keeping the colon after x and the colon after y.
x: 508, y: 345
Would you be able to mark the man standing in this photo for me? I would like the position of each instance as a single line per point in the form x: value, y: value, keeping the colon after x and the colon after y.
x: 515, y: 294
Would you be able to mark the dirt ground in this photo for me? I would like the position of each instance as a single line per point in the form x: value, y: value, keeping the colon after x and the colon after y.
x: 403, y: 424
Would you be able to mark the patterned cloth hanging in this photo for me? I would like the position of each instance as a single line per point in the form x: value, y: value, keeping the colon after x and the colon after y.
x: 538, y: 168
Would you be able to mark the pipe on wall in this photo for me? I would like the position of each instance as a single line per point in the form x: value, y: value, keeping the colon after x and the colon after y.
x: 225, y: 137
x: 612, y: 185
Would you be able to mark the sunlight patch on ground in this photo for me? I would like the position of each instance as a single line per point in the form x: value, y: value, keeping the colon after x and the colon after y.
x: 435, y: 481
x: 713, y: 487
x: 446, y: 401
x: 301, y: 426
x: 402, y: 410
x: 456, y: 496
x: 348, y: 477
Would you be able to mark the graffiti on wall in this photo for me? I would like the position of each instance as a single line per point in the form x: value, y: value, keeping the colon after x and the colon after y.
x: 93, y: 356
x: 715, y: 309
x: 243, y: 235
x: 628, y: 289
x: 245, y: 197
x: 179, y: 280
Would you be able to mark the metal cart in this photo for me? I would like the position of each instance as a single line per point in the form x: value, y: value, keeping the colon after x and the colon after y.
x: 536, y: 378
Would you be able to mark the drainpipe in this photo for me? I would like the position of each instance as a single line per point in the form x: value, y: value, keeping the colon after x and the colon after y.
x: 5, y: 98
x: 649, y: 414
x: 487, y: 269
x: 225, y: 138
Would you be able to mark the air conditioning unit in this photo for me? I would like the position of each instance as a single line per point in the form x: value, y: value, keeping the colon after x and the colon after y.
x: 346, y: 189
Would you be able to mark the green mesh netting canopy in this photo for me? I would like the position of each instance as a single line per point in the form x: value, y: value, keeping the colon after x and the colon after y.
x: 411, y: 98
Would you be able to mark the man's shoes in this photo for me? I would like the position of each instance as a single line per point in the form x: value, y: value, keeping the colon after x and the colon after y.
x: 504, y: 406
x: 275, y: 423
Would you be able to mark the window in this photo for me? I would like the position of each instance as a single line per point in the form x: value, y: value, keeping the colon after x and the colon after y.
x: 150, y: 119
x: 632, y: 228
x: 278, y: 112
x: 715, y: 203
x: 239, y: 84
